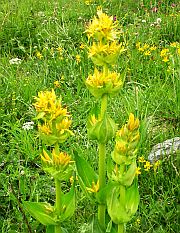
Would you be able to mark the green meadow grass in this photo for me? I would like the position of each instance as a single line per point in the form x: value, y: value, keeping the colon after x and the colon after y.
x: 46, y: 36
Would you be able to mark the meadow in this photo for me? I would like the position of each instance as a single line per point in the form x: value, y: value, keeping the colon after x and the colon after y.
x: 43, y: 45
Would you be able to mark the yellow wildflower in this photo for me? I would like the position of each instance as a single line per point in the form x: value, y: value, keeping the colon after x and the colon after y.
x: 59, y: 49
x: 88, y: 2
x: 39, y: 55
x: 152, y: 48
x: 147, y: 166
x: 102, y: 54
x: 138, y: 45
x: 99, y: 8
x: 82, y: 46
x: 165, y: 59
x: 45, y: 157
x: 141, y: 159
x: 57, y: 83
x: 147, y: 53
x: 78, y: 58
x: 145, y: 46
x: 156, y: 165
x: 132, y: 123
x: 164, y: 52
x: 94, y: 188
x: 61, y: 158
x: 45, y: 129
x: 100, y: 83
x: 43, y: 100
x: 63, y: 125
x: 138, y: 171
x: 174, y: 44
x: 140, y: 49
x: 46, y: 102
x: 102, y: 26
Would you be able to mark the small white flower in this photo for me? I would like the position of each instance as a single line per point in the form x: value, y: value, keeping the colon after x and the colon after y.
x: 28, y: 125
x: 22, y: 173
x: 158, y: 20
x: 143, y: 21
x: 15, y: 61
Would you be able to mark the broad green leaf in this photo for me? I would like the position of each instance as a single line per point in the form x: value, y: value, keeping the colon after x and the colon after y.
x: 43, y: 212
x: 101, y: 196
x: 68, y: 203
x: 85, y: 171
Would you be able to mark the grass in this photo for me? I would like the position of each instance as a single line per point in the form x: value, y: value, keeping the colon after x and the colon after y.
x: 151, y: 90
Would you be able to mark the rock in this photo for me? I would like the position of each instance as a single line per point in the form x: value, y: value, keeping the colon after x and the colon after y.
x: 167, y: 147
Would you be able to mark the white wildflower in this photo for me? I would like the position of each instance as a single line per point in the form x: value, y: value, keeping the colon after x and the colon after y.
x: 28, y: 125
x: 158, y: 20
x: 15, y: 61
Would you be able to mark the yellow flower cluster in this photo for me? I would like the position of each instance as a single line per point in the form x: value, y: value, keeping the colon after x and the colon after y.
x: 100, y: 83
x: 104, y: 52
x: 54, y: 119
x: 145, y: 48
x: 147, y: 165
x: 60, y: 159
x: 58, y: 164
x: 127, y: 139
x: 48, y: 105
x: 102, y: 27
x: 164, y: 54
x: 53, y: 52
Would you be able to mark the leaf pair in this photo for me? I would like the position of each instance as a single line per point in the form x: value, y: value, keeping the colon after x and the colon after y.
x: 46, y: 214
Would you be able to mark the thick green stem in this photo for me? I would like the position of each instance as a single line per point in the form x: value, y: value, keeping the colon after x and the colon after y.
x: 58, y: 203
x: 102, y: 168
x: 121, y: 228
x: 104, y: 105
x: 102, y: 182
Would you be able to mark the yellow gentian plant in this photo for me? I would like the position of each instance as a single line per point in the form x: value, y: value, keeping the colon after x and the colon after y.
x: 53, y: 126
x: 119, y: 196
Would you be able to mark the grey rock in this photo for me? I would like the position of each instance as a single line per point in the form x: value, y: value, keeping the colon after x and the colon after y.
x: 167, y: 148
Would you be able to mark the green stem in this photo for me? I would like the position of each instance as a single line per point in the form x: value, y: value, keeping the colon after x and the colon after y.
x: 102, y: 168
x: 104, y: 105
x: 58, y: 203
x: 102, y: 183
x: 121, y: 228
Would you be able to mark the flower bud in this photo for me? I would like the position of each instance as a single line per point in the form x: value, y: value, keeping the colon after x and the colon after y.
x: 101, y: 130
